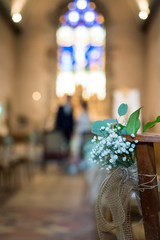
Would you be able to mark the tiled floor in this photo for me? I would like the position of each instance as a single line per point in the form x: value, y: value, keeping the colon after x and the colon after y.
x: 54, y: 206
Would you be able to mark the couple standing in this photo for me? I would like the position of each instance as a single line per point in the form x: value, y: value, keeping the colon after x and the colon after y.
x: 73, y: 131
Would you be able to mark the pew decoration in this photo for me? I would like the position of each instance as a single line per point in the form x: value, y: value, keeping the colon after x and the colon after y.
x: 113, y: 152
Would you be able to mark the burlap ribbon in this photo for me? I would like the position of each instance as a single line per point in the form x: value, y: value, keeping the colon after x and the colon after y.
x: 117, y: 189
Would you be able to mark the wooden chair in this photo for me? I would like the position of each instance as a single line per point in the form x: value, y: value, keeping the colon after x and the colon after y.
x: 149, y: 197
x: 55, y: 146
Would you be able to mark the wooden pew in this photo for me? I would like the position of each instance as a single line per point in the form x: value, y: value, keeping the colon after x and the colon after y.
x: 146, y: 162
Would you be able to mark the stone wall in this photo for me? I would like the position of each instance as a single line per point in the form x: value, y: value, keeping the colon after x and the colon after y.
x: 37, y: 66
x: 151, y: 82
x: 7, y: 69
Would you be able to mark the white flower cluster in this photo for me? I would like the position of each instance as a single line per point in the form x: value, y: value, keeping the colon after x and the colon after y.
x: 111, y: 149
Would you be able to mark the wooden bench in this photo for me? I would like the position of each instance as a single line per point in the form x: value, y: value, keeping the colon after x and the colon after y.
x: 149, y: 197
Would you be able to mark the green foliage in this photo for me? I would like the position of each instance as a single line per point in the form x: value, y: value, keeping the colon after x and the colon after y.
x: 110, y: 148
x: 122, y: 110
x: 123, y: 129
x: 151, y: 124
x: 112, y: 121
x: 96, y: 127
x: 131, y: 127
x: 133, y: 123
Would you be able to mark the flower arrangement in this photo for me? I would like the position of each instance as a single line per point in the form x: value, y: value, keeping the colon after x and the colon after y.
x: 111, y: 149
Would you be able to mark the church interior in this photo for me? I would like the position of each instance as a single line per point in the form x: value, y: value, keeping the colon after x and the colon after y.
x: 98, y: 52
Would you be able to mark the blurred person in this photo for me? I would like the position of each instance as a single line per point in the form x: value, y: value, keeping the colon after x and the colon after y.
x: 82, y: 126
x: 83, y: 122
x: 64, y: 120
x: 56, y: 140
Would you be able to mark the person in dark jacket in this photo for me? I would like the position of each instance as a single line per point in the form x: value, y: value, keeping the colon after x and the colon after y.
x: 65, y: 121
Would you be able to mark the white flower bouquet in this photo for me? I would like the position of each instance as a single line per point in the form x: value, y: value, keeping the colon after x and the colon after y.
x: 111, y: 149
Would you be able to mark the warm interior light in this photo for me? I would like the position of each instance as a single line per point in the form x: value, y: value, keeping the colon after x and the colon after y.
x: 144, y: 9
x: 16, y: 17
x: 17, y: 6
x: 65, y: 36
x: 73, y: 16
x: 81, y: 36
x: 143, y: 5
x: 65, y: 84
x: 81, y: 4
x: 143, y: 15
x: 89, y: 16
x: 97, y: 35
x: 95, y: 87
x: 36, y: 96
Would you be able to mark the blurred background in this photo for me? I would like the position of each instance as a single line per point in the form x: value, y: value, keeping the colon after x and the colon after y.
x: 103, y: 52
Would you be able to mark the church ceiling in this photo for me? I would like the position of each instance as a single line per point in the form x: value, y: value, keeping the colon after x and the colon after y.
x: 9, y: 3
x: 117, y: 10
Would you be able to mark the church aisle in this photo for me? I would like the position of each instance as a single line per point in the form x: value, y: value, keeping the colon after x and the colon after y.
x: 53, y: 206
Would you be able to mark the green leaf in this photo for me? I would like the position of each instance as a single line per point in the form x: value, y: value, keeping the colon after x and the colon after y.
x: 123, y: 130
x: 158, y: 119
x: 133, y: 123
x: 96, y: 128
x: 111, y: 121
x: 151, y: 124
x: 122, y: 110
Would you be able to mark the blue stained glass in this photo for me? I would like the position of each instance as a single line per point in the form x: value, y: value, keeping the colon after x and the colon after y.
x: 94, y: 56
x: 90, y: 57
x: 66, y: 59
x: 81, y: 14
x: 73, y: 18
x: 89, y: 17
x: 81, y: 50
x: 81, y: 5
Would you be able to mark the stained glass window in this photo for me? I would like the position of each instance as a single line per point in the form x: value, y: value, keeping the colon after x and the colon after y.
x: 81, y: 43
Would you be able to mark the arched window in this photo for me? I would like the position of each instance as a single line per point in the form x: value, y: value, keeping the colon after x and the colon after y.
x: 81, y: 43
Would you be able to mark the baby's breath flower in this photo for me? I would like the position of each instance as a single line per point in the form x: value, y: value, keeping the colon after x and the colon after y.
x: 133, y: 145
x: 112, y: 150
x: 93, y: 139
x: 112, y: 160
x: 100, y: 138
x: 132, y: 135
x: 131, y: 149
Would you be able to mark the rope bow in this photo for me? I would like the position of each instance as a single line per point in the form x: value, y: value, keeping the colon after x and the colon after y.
x: 117, y: 189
